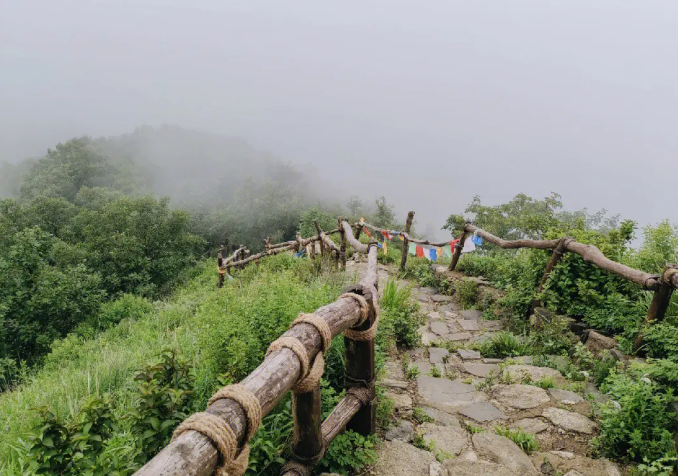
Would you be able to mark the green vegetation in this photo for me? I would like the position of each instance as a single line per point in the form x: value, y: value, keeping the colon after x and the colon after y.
x: 420, y: 416
x: 527, y: 441
x: 636, y: 424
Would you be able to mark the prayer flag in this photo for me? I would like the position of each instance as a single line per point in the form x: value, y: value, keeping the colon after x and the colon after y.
x: 367, y: 232
x: 401, y: 237
x: 385, y: 248
x: 447, y: 250
x: 469, y: 245
x: 385, y: 234
x: 432, y: 254
x: 420, y: 251
x: 439, y: 251
x: 477, y: 240
x: 412, y: 249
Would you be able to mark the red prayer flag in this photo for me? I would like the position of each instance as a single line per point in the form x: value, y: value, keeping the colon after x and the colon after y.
x: 453, y: 243
x: 367, y: 232
x: 420, y: 252
x: 385, y: 234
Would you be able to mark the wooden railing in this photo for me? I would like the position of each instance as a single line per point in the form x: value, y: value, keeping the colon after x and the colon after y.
x: 193, y: 453
x: 662, y: 284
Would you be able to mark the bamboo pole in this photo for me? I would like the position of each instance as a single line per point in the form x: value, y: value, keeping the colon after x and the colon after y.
x: 408, y: 225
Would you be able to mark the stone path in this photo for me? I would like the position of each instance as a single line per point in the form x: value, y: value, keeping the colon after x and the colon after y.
x: 446, y: 416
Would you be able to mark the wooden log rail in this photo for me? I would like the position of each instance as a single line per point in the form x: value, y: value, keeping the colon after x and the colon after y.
x: 192, y: 453
x: 663, y: 284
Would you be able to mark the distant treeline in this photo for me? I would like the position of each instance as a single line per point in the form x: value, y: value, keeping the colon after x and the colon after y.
x: 86, y: 224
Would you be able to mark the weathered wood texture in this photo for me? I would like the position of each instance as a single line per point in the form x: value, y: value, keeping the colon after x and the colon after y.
x: 342, y: 246
x: 307, y: 442
x: 660, y: 301
x: 352, y: 240
x: 192, y: 454
x: 511, y: 244
x: 360, y: 353
x: 406, y: 241
x: 457, y: 250
x: 406, y: 235
x: 336, y: 421
x: 587, y: 252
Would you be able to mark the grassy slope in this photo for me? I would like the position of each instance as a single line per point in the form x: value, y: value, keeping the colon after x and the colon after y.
x: 219, y: 331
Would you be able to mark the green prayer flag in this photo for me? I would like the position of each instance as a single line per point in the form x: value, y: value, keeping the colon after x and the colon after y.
x: 412, y: 249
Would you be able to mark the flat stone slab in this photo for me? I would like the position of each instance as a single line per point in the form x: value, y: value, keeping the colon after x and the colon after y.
x: 441, y: 417
x: 402, y: 430
x: 441, y: 298
x: 424, y: 366
x: 447, y: 395
x: 471, y: 314
x: 518, y: 372
x: 505, y: 452
x: 567, y: 463
x: 394, y: 370
x: 492, y: 361
x: 469, y: 354
x: 429, y: 290
x: 437, y: 355
x: 402, y: 402
x: 468, y: 325
x: 459, y: 336
x: 565, y: 396
x: 493, y: 325
x: 521, y: 397
x: 445, y: 438
x: 397, y: 458
x: 531, y: 425
x: 423, y: 297
x: 459, y: 467
x: 523, y: 359
x: 451, y: 307
x: 569, y: 421
x: 391, y: 383
x: 439, y: 327
x: 435, y: 316
x: 480, y: 370
x: 428, y: 337
x: 483, y: 411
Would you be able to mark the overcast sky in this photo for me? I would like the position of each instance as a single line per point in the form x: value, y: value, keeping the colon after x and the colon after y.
x: 428, y: 102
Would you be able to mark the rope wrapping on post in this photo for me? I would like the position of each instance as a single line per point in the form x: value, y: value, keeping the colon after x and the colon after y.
x: 223, y: 438
x: 295, y: 468
x: 221, y: 434
x: 295, y: 346
x: 364, y: 306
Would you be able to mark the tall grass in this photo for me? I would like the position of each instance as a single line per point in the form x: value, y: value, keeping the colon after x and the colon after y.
x: 222, y: 333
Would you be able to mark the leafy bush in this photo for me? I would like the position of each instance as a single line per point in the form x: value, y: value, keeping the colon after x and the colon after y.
x: 349, y: 452
x: 466, y: 292
x: 635, y: 423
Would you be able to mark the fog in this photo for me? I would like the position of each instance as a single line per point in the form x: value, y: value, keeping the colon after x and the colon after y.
x: 427, y: 103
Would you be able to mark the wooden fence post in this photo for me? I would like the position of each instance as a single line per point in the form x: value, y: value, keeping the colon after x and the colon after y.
x: 322, y: 245
x: 342, y: 247
x: 457, y: 249
x: 220, y: 263
x: 360, y: 370
x: 556, y: 256
x: 307, y: 442
x: 660, y: 301
x: 408, y: 225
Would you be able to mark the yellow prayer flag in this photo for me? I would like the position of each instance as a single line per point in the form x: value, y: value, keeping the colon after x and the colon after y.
x: 385, y: 247
x: 402, y: 238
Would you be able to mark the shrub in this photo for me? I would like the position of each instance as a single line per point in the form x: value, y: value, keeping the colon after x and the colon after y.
x: 348, y: 452
x: 466, y: 292
x: 635, y: 423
